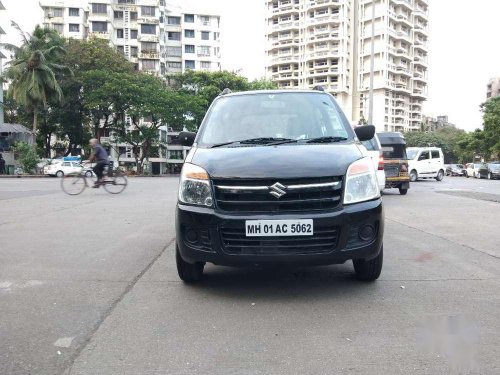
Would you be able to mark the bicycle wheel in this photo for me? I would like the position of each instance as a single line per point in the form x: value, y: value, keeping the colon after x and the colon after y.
x: 73, y: 184
x: 117, y: 184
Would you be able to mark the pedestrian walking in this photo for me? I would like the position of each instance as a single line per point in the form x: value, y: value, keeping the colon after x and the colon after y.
x: 2, y: 164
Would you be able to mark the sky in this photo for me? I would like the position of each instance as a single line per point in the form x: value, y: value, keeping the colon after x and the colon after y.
x: 463, y: 47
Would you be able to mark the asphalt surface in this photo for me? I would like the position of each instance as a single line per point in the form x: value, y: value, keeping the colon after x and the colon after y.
x: 88, y: 286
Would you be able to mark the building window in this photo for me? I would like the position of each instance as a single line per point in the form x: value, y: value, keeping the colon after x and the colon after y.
x: 216, y: 36
x: 148, y: 29
x: 74, y: 12
x: 57, y: 12
x: 174, y: 65
x: 148, y: 11
x: 121, y: 49
x: 118, y: 15
x: 205, y: 20
x: 126, y: 1
x: 99, y: 27
x: 189, y: 48
x: 173, y: 36
x: 174, y: 20
x: 133, y: 16
x: 149, y: 47
x: 174, y: 51
x: 133, y: 34
x: 134, y: 51
x: 119, y: 33
x: 188, y: 33
x: 204, y: 51
x: 148, y: 65
x: 99, y: 8
x: 59, y: 27
x: 74, y: 28
x: 206, y: 65
x: 205, y: 35
x: 175, y: 155
x: 189, y: 64
x: 189, y: 18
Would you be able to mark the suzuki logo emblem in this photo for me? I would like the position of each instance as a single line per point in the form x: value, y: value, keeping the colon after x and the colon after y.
x: 277, y: 190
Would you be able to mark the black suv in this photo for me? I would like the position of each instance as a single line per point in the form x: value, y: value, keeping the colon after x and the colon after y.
x: 278, y: 177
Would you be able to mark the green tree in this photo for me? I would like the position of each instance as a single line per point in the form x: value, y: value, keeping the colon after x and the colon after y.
x: 34, y: 69
x: 26, y: 155
x: 491, y: 120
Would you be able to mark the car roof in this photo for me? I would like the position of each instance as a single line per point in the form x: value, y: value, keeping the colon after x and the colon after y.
x: 255, y: 92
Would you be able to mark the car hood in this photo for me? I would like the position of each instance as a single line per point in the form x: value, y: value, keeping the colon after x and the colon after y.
x: 286, y: 161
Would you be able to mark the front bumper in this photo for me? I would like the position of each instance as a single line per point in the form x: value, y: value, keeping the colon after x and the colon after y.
x: 211, y: 247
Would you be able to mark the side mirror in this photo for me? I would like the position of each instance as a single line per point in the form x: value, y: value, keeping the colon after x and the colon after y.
x: 187, y: 138
x: 365, y: 132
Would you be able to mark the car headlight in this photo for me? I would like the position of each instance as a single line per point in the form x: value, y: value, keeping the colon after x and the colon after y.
x: 194, y: 186
x: 361, y: 182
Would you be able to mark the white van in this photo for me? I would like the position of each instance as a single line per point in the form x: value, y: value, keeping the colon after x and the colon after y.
x: 425, y: 162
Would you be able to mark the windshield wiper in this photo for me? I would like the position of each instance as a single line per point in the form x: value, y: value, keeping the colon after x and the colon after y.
x: 328, y: 139
x: 257, y: 141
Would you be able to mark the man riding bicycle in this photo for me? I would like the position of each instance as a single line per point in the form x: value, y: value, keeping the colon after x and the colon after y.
x: 99, y: 155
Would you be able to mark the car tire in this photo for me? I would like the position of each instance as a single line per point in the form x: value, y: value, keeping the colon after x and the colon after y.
x: 403, y: 191
x: 88, y: 174
x: 489, y: 176
x: 440, y: 176
x: 413, y: 176
x: 59, y: 174
x: 369, y: 270
x: 188, y: 272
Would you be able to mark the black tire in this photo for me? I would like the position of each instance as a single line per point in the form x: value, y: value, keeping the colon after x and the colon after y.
x: 189, y: 273
x: 369, y: 270
x: 88, y: 174
x: 489, y: 176
x: 73, y: 184
x: 403, y: 191
x: 440, y: 175
x: 59, y: 174
x: 413, y: 176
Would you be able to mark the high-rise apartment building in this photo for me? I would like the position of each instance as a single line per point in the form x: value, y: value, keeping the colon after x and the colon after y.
x: 329, y: 43
x: 493, y: 88
x: 155, y: 36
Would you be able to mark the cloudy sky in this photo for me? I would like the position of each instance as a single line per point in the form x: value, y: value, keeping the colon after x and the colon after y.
x: 464, y: 52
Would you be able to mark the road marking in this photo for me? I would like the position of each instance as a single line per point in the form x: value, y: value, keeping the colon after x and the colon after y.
x: 64, y: 342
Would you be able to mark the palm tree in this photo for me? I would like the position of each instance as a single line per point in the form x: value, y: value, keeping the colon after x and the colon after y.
x: 33, y: 71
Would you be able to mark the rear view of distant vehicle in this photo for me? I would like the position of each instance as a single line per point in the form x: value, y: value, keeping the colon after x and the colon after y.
x: 455, y: 170
x: 395, y: 163
x: 374, y: 149
x: 426, y: 162
x: 491, y: 171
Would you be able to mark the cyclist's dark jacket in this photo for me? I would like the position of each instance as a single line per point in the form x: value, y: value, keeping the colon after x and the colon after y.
x: 100, y: 154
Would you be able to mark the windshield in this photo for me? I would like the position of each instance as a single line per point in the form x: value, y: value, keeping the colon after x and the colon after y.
x: 495, y: 167
x: 411, y: 154
x: 295, y: 116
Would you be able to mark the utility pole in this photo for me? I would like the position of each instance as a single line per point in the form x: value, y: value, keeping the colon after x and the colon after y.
x: 372, y: 67
x: 1, y: 66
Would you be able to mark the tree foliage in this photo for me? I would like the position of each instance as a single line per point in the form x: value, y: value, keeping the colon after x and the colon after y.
x: 491, y: 120
x: 26, y: 155
x: 447, y: 139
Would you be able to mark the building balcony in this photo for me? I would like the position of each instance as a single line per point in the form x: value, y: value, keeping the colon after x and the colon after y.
x: 403, y: 3
x: 323, y: 54
x: 148, y: 38
x: 149, y: 55
x: 125, y: 7
x: 313, y: 4
x: 100, y: 34
x: 148, y: 20
x: 103, y: 17
x: 284, y: 59
x: 403, y: 70
x: 322, y: 72
x: 330, y: 18
x: 288, y: 25
x: 51, y: 20
x: 419, y: 13
x: 287, y: 9
x: 289, y: 43
x: 329, y: 87
x: 285, y: 77
x: 420, y: 61
x: 419, y: 77
x: 421, y: 29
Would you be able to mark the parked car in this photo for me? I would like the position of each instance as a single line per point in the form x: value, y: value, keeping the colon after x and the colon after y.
x: 473, y: 170
x: 455, y: 170
x: 425, y: 162
x: 490, y: 171
x: 395, y: 161
x: 374, y: 149
x: 278, y: 177
x: 59, y: 168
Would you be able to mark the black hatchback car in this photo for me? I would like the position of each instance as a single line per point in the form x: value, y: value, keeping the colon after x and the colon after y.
x: 275, y: 178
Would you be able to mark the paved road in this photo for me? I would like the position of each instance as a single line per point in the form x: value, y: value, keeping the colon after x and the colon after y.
x: 88, y: 286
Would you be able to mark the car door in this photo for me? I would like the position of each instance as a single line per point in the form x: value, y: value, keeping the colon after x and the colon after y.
x: 423, y: 163
x: 435, y: 162
x: 66, y: 167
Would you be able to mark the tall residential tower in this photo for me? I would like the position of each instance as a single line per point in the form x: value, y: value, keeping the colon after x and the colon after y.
x: 329, y: 43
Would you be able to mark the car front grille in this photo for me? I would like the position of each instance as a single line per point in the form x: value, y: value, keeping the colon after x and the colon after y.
x: 234, y: 241
x: 278, y: 195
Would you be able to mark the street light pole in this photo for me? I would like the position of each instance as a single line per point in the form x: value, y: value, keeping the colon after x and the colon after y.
x: 372, y: 66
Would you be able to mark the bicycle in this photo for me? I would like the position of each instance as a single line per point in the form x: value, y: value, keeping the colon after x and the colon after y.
x: 114, y: 182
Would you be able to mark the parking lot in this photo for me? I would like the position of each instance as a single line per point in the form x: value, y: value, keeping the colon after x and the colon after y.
x: 88, y: 285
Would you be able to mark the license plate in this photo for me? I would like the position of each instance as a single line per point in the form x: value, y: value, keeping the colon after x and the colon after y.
x: 276, y: 228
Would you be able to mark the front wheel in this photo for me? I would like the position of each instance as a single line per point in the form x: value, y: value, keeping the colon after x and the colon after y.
x: 73, y: 184
x: 60, y: 174
x: 403, y: 191
x: 188, y: 272
x: 440, y: 176
x: 369, y: 270
x: 413, y: 176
